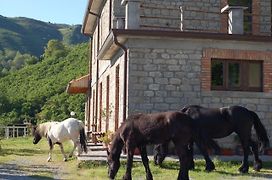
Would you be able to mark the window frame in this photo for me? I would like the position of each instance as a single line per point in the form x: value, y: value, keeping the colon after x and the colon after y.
x: 244, y: 75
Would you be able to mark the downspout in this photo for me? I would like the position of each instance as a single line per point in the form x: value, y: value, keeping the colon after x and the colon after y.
x: 125, y: 74
x: 97, y: 67
x: 97, y: 74
x: 110, y: 16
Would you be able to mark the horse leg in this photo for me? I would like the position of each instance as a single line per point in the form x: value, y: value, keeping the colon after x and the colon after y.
x: 130, y: 153
x: 209, y: 164
x: 157, y: 154
x: 245, y: 144
x: 146, y: 163
x: 161, y: 152
x: 62, y: 152
x: 184, y: 160
x: 191, y: 156
x: 257, y: 161
x: 51, y: 147
x: 75, y: 145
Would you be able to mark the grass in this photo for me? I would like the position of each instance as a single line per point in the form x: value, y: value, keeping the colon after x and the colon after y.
x: 31, y: 159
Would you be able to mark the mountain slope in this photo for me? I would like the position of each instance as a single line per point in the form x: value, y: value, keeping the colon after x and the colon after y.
x: 31, y: 36
x: 38, y: 91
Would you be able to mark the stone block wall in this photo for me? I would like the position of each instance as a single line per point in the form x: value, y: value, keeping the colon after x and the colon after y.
x: 163, y: 15
x: 265, y: 17
x: 118, y: 14
x: 167, y: 76
x: 201, y: 16
x: 104, y: 23
x: 163, y: 79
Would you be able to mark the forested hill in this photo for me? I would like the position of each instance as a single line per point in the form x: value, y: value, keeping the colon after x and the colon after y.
x: 31, y: 36
x: 37, y: 92
x: 22, y: 41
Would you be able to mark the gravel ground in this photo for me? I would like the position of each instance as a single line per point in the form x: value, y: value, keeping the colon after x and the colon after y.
x: 24, y: 169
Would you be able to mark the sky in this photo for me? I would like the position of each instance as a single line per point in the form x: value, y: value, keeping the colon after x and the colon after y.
x: 54, y: 11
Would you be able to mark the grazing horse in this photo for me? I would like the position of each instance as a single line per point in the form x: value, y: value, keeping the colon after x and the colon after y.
x: 221, y: 122
x: 58, y: 132
x: 141, y: 129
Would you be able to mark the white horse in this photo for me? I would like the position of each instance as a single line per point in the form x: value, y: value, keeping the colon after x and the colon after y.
x: 58, y: 132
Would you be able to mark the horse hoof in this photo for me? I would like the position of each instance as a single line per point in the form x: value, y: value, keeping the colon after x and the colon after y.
x: 192, y: 166
x: 257, y: 167
x: 127, y: 178
x: 243, y: 170
x: 65, y: 159
x: 210, y: 167
x: 49, y: 159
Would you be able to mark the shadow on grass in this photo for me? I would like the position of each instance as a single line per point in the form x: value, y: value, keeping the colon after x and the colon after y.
x: 21, y: 152
x: 264, y: 173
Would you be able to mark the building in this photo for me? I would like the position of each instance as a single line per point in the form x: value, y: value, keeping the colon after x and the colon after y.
x: 159, y: 55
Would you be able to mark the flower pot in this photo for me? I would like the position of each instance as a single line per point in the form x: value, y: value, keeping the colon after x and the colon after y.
x: 268, y: 151
x: 137, y: 151
x: 226, y: 152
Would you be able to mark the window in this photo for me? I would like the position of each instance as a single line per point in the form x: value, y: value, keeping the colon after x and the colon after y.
x: 236, y: 75
x: 247, y: 13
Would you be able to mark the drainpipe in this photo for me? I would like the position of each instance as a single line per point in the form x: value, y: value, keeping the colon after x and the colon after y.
x: 97, y: 75
x: 97, y: 67
x: 125, y: 75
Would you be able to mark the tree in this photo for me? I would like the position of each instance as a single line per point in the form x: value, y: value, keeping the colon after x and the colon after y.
x: 55, y: 49
x: 4, y: 103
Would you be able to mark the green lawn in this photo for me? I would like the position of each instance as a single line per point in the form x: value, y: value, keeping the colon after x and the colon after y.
x: 31, y: 159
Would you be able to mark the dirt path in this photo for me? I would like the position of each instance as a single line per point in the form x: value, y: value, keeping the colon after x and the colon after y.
x: 29, y: 169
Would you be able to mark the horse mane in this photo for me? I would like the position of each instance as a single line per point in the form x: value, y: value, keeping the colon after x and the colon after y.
x: 117, y: 143
x: 43, y: 128
x: 185, y: 108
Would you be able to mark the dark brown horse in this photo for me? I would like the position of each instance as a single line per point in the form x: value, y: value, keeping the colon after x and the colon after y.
x: 219, y: 123
x: 142, y: 129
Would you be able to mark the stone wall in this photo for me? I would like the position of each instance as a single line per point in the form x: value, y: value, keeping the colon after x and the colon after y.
x: 104, y: 23
x: 166, y: 75
x: 163, y: 79
x: 181, y: 15
x: 200, y: 15
x: 163, y: 15
x: 265, y: 17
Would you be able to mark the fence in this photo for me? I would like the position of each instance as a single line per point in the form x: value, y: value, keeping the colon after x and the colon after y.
x: 14, y: 131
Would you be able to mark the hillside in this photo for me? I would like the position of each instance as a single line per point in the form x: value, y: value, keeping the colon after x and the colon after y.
x: 37, y: 92
x: 31, y: 36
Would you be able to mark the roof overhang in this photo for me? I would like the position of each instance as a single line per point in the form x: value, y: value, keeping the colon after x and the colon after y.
x: 92, y: 13
x: 77, y: 86
x: 109, y: 47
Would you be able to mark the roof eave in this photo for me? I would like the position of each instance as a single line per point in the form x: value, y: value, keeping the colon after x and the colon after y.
x: 93, y: 11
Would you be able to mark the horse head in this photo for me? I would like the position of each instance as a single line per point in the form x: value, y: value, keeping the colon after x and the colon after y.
x: 36, y: 134
x: 113, y: 164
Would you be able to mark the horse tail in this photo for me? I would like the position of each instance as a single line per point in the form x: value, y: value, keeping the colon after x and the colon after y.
x: 83, y: 140
x: 260, y: 130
